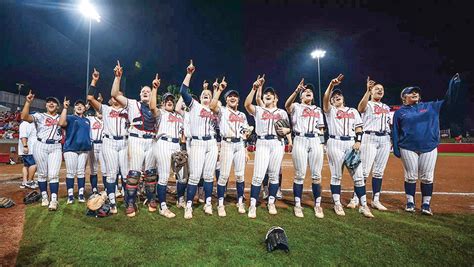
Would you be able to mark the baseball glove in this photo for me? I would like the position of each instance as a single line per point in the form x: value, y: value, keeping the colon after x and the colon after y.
x: 276, y: 239
x: 279, y: 125
x: 32, y: 197
x: 96, y: 201
x: 6, y: 202
x: 352, y: 159
x: 178, y: 160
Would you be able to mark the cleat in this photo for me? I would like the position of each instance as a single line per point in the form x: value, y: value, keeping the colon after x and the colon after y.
x: 53, y: 205
x: 130, y: 211
x: 221, y: 211
x: 377, y: 205
x: 30, y: 185
x: 22, y: 185
x: 241, y: 208
x: 70, y: 199
x: 279, y: 194
x: 188, y: 213
x: 272, y: 209
x: 298, y: 211
x: 410, y: 207
x: 44, y: 202
x: 318, y: 212
x: 365, y: 210
x: 339, y: 210
x: 152, y: 206
x: 180, y: 203
x: 252, y: 212
x: 113, y: 209
x: 426, y: 210
x: 167, y: 213
x: 81, y: 198
x: 208, y: 209
x: 353, y: 204
x: 118, y: 194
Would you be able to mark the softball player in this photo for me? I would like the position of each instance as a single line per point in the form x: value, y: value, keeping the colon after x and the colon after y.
x: 307, y: 120
x: 95, y: 155
x: 47, y: 151
x: 270, y: 148
x: 186, y: 139
x: 232, y: 125
x: 375, y: 146
x: 345, y: 133
x: 115, y: 136
x: 203, y: 150
x: 415, y: 138
x: 76, y: 147
x: 26, y: 144
x: 170, y: 127
x: 142, y: 132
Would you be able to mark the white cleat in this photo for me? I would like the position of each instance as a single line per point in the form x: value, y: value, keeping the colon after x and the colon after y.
x: 272, y: 209
x: 113, y: 209
x: 377, y: 205
x: 279, y: 194
x: 252, y: 212
x: 353, y: 204
x: 318, y: 212
x: 188, y: 213
x: 241, y: 208
x: 365, y: 210
x: 208, y: 209
x: 53, y: 205
x: 167, y: 213
x: 81, y: 199
x: 221, y: 211
x: 44, y: 202
x: 339, y: 210
x: 181, y: 203
x: 298, y: 211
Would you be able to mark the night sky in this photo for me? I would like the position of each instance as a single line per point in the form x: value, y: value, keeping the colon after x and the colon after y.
x: 397, y: 43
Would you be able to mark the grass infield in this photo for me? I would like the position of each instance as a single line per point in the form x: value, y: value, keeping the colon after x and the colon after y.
x: 68, y: 237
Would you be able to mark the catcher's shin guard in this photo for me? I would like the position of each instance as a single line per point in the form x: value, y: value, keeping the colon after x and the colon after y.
x: 133, y: 178
x: 150, y: 184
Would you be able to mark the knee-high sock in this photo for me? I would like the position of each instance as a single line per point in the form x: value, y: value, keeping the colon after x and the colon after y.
x: 110, y: 188
x: 93, y: 180
x: 360, y: 192
x: 272, y: 191
x: 426, y: 193
x: 190, y: 194
x: 297, y: 192
x: 70, y: 186
x: 376, y: 188
x: 43, y: 187
x: 316, y: 194
x: 254, y: 193
x: 220, y: 194
x: 161, y: 193
x: 410, y: 189
x: 208, y: 191
x: 54, y: 188
x: 81, y: 183
x: 240, y: 191
x: 336, y: 194
x: 180, y: 189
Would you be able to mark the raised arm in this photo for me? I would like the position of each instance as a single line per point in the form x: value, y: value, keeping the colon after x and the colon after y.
x: 25, y: 113
x: 248, y: 101
x: 365, y: 99
x: 63, y: 118
x: 179, y: 106
x: 115, y: 93
x: 327, y: 94
x: 154, y: 90
x: 185, y: 86
x: 214, y: 106
x: 92, y: 90
x: 258, y: 97
x: 396, y: 134
x: 289, y: 102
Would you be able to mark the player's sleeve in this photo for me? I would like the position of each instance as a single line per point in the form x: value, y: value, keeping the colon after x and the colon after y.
x: 358, y: 120
x: 258, y: 110
x: 23, y: 130
x: 184, y: 91
x: 69, y: 119
x: 36, y: 117
x: 103, y: 109
x: 293, y: 110
x: 130, y: 103
x: 396, y: 134
x: 332, y: 109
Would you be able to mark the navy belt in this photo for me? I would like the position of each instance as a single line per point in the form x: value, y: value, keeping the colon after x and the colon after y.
x: 310, y: 135
x: 232, y: 139
x: 268, y: 137
x: 204, y: 138
x: 169, y: 139
x: 377, y: 133
x: 116, y: 137
x: 49, y: 141
x: 145, y: 136
x: 342, y: 138
x: 97, y: 141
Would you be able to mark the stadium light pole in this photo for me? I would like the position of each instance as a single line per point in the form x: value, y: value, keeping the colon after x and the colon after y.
x: 20, y: 85
x: 89, y: 11
x: 318, y: 54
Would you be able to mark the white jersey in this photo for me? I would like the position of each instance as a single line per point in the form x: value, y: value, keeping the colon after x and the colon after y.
x: 115, y: 121
x: 186, y: 125
x: 342, y: 122
x: 47, y: 127
x: 97, y: 128
x: 202, y: 122
x: 265, y: 120
x: 170, y: 124
x: 306, y: 118
x: 376, y: 117
x: 231, y: 123
x: 140, y: 117
x: 27, y: 130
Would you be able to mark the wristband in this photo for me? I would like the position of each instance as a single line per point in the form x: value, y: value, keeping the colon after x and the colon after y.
x: 358, y: 137
x: 92, y: 90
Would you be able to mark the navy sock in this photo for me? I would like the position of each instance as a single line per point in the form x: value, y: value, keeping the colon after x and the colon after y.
x: 180, y: 189
x: 426, y: 190
x: 69, y: 184
x: 220, y: 191
x: 191, y: 192
x: 104, y: 181
x: 54, y: 188
x: 218, y: 172
x: 335, y: 189
x: 81, y: 182
x: 265, y: 180
x: 93, y: 179
x: 255, y: 192
x: 201, y: 182
x: 360, y: 191
x: 273, y: 189
x: 43, y: 186
x: 297, y: 190
x: 410, y: 189
x: 240, y: 189
x: 376, y: 185
x: 161, y: 193
x: 110, y: 187
x: 316, y: 190
x: 208, y: 189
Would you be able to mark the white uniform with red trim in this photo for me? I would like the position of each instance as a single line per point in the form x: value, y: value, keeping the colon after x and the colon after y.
x: 96, y: 154
x: 231, y: 125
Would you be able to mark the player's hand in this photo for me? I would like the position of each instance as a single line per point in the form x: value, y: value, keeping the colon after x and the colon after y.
x: 300, y: 88
x: 356, y: 146
x: 190, y: 69
x: 95, y: 75
x: 262, y: 80
x: 223, y: 85
x: 156, y: 82
x: 283, y: 131
x: 118, y: 70
x: 337, y: 80
x: 66, y: 103
x: 370, y: 83
x: 26, y: 150
x: 205, y: 85
x: 256, y: 84
x: 100, y: 98
x: 290, y: 148
x: 247, y: 156
x: 30, y: 97
x: 215, y: 85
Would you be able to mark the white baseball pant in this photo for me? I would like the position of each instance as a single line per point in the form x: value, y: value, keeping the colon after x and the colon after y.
x: 307, y: 150
x: 419, y: 165
x: 115, y: 153
x: 48, y: 158
x: 231, y: 152
x: 162, y: 152
x: 374, y: 152
x: 75, y: 163
x: 268, y: 156
x: 336, y: 152
x: 96, y: 156
x: 202, y: 160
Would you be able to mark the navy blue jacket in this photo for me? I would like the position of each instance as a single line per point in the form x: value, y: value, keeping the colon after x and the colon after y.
x: 77, y: 134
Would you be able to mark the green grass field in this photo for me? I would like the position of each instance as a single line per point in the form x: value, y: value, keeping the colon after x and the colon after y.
x: 68, y: 237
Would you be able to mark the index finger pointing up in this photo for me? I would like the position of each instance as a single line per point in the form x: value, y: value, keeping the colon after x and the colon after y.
x: 223, y: 79
x: 340, y: 77
x: 157, y: 76
x: 191, y: 62
x: 118, y: 63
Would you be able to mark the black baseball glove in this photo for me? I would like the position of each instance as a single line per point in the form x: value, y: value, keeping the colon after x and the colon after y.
x: 282, y: 128
x: 32, y: 197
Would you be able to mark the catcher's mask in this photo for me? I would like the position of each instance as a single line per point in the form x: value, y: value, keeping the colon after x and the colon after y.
x: 276, y: 239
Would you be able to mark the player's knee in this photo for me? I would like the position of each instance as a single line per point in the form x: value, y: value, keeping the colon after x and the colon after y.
x: 359, y: 183
x: 426, y: 179
x: 163, y: 181
x: 299, y: 179
x: 208, y: 179
x: 133, y: 177
x: 335, y: 180
x: 239, y: 178
x: 411, y: 179
x: 82, y: 173
x: 111, y: 179
x: 257, y: 181
x: 54, y: 179
x: 150, y: 175
x: 316, y: 180
x: 222, y: 181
